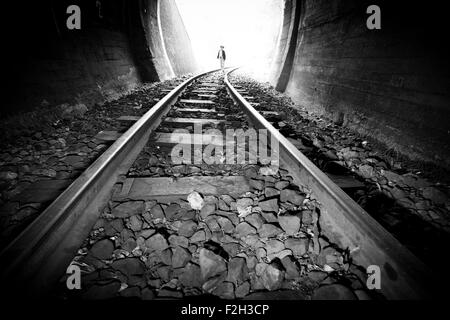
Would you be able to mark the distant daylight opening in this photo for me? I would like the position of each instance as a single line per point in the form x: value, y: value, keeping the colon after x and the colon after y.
x: 248, y: 30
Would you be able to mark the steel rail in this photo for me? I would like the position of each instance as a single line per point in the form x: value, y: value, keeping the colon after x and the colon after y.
x: 403, y: 276
x: 36, y: 259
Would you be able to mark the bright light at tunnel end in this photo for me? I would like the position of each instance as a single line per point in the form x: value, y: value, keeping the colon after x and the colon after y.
x: 248, y: 29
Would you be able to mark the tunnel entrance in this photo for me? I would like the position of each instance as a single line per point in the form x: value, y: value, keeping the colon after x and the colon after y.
x: 249, y: 30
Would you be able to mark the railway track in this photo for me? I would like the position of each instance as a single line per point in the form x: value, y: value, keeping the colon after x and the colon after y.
x: 177, y: 207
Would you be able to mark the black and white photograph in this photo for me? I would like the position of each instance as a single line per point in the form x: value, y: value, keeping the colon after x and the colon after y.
x: 218, y: 158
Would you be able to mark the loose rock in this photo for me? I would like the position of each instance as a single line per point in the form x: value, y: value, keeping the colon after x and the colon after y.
x: 298, y: 246
x: 269, y: 230
x: 237, y: 270
x: 207, y: 210
x: 179, y: 241
x: 195, y: 200
x: 255, y: 220
x: 187, y: 229
x: 243, y: 229
x: 191, y: 276
x: 268, y: 171
x: 271, y: 192
x: 102, y: 249
x: 226, y: 225
x: 292, y: 270
x: 244, y: 206
x: 199, y: 236
x: 289, y: 223
x: 225, y: 290
x: 274, y: 246
x: 292, y: 196
x: 156, y: 243
x: 172, y: 210
x: 272, y: 278
x: 157, y: 212
x: 166, y: 257
x: 211, y: 264
x: 135, y: 223
x: 129, y: 266
x: 256, y: 184
x: 180, y: 257
x: 269, y: 205
x: 242, y: 290
x: 128, y: 209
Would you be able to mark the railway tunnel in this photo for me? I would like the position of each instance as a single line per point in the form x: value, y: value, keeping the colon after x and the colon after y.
x: 369, y: 107
x: 390, y: 83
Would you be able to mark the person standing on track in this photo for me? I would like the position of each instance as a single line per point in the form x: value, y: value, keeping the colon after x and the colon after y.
x: 222, y: 57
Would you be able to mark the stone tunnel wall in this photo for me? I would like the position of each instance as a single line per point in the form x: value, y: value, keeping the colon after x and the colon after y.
x: 119, y: 46
x: 392, y: 84
x: 174, y: 33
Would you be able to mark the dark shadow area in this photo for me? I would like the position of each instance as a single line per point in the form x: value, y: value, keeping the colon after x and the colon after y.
x: 424, y: 240
x: 48, y: 64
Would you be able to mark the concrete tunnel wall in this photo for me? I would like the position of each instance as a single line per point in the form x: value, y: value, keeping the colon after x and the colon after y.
x: 173, y: 29
x: 392, y: 84
x: 120, y: 44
